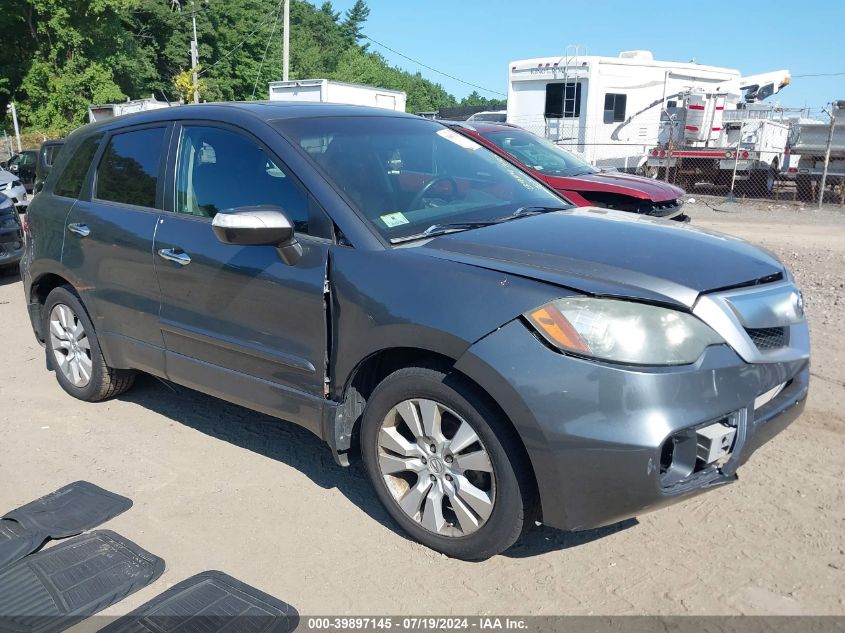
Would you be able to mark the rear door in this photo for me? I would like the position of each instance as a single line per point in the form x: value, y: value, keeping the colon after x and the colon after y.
x: 108, y: 245
x: 237, y: 321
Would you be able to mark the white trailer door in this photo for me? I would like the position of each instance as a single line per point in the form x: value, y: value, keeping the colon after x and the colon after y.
x: 386, y: 101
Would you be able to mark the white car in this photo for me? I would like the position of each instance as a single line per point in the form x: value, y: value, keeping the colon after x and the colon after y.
x: 13, y: 188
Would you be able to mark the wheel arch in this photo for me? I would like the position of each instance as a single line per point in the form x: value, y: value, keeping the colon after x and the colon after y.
x: 39, y: 290
x: 341, y: 429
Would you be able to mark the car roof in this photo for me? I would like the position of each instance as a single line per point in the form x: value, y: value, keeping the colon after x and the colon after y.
x: 232, y: 110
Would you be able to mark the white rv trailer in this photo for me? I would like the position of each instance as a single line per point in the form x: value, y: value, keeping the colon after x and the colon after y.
x: 607, y: 109
x: 330, y: 91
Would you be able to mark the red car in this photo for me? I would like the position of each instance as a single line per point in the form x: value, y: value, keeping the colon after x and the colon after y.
x: 577, y: 180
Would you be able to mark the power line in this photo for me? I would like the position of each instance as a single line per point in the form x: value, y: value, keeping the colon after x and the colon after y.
x: 439, y: 72
x: 269, y: 39
x: 821, y: 75
x: 272, y: 14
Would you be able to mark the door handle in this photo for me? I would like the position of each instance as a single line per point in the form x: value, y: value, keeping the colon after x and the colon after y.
x: 79, y: 229
x: 175, y: 255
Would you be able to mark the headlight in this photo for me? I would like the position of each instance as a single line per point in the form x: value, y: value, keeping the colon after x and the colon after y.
x: 622, y: 331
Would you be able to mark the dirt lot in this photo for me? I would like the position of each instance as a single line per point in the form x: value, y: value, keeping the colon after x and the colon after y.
x: 219, y: 487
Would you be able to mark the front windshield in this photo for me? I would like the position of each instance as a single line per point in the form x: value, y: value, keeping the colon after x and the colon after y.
x: 406, y: 175
x: 538, y: 153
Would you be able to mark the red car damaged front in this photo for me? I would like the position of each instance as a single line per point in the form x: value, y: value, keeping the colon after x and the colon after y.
x: 579, y: 181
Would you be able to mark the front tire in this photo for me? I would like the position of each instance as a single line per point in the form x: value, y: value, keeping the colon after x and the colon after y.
x: 445, y: 464
x: 73, y: 350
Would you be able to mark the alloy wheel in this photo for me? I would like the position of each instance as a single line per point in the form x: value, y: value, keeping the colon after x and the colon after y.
x: 70, y: 345
x: 436, y: 467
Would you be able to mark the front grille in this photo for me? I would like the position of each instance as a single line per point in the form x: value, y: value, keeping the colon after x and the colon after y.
x: 766, y: 338
x: 664, y: 208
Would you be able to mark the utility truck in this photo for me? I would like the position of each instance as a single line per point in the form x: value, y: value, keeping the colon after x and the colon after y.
x: 808, y: 150
x: 725, y: 137
x: 706, y: 136
x: 330, y: 91
x: 612, y: 111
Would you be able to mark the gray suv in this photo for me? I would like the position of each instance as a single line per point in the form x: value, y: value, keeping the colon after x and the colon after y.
x: 496, y: 356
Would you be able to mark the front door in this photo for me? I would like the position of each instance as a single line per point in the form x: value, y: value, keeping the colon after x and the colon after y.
x: 237, y: 321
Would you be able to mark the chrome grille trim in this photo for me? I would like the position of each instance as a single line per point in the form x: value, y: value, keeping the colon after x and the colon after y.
x: 732, y: 313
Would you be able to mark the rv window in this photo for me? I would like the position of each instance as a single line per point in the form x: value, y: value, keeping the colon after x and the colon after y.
x: 563, y: 101
x: 614, y: 107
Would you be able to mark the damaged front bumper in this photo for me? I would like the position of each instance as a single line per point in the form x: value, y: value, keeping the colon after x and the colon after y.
x: 597, y: 433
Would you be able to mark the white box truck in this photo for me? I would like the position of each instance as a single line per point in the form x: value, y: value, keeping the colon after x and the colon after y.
x: 99, y: 112
x: 330, y: 91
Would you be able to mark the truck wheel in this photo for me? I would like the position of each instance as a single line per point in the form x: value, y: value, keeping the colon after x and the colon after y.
x: 74, y: 351
x: 647, y: 171
x: 804, y: 186
x: 762, y: 181
x: 445, y: 465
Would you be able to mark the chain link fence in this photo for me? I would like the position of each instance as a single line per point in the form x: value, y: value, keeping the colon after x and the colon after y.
x: 766, y: 155
x: 7, y: 147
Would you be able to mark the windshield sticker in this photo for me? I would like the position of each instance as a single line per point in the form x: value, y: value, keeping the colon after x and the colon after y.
x: 458, y: 139
x: 394, y: 219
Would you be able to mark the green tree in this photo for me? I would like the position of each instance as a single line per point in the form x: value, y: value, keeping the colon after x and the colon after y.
x: 60, y: 56
x: 353, y: 24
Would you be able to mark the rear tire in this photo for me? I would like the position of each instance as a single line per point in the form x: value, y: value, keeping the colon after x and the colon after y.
x: 762, y: 181
x: 74, y: 353
x: 434, y: 477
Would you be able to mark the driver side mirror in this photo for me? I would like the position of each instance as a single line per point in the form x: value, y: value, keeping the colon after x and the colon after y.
x: 264, y: 225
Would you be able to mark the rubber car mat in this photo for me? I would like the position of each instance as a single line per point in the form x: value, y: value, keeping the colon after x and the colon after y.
x: 210, y: 602
x: 68, y: 511
x: 55, y: 588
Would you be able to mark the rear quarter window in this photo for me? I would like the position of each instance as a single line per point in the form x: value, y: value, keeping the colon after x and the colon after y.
x: 72, y: 178
x: 128, y: 171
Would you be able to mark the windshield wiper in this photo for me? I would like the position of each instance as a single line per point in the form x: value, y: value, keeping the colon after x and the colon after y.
x: 452, y: 227
x: 533, y: 210
x: 441, y: 229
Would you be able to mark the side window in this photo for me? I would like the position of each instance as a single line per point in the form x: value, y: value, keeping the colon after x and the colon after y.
x: 563, y: 101
x: 614, y: 107
x: 128, y: 171
x: 219, y: 169
x: 70, y: 182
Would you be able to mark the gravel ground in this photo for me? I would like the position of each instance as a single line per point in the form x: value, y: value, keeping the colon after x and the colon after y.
x: 219, y: 487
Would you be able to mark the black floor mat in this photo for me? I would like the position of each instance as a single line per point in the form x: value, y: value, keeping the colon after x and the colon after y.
x: 210, y: 602
x: 66, y: 512
x: 56, y: 588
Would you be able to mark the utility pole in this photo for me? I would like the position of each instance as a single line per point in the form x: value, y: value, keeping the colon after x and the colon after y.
x: 15, y: 123
x: 195, y: 56
x: 286, y: 41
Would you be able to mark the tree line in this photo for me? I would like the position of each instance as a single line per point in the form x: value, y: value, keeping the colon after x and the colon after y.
x: 59, y: 56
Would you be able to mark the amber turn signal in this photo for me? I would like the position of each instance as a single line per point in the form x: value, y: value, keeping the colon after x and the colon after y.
x: 553, y: 325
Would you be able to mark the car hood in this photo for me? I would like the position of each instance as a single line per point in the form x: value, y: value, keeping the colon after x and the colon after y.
x: 6, y: 176
x: 611, y: 253
x: 617, y: 182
